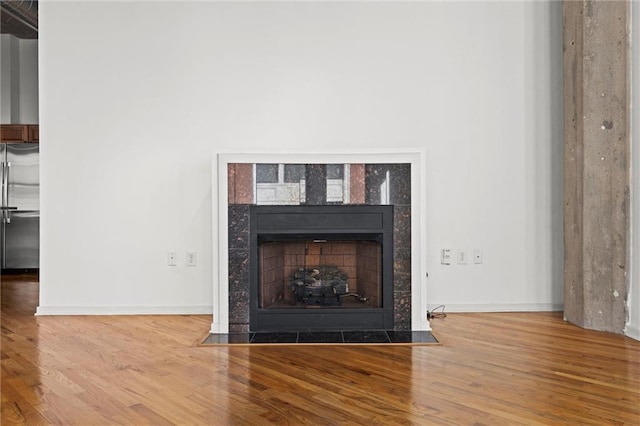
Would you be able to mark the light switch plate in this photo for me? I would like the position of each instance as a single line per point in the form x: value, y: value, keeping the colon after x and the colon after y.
x: 445, y: 257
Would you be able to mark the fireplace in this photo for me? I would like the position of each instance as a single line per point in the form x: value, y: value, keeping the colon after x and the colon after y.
x: 244, y: 182
x: 327, y: 267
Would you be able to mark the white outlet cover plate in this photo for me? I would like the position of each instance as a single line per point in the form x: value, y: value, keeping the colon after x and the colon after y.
x: 463, y: 257
x: 172, y: 258
x: 192, y: 258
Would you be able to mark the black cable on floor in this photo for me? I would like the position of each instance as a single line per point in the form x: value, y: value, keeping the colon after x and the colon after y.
x: 433, y: 314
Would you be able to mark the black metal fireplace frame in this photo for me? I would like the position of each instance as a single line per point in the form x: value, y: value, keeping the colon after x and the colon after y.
x: 327, y: 222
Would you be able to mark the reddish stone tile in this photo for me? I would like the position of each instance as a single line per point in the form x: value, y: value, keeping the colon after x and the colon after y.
x: 244, y: 183
x: 357, y: 193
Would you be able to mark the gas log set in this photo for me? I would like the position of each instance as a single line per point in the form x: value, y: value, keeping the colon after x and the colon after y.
x: 322, y: 286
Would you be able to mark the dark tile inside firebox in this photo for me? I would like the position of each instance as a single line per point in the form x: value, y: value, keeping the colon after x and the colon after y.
x: 275, y: 338
x: 320, y: 337
x: 373, y: 336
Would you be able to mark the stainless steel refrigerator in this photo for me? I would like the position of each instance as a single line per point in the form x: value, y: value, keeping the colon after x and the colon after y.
x: 20, y: 227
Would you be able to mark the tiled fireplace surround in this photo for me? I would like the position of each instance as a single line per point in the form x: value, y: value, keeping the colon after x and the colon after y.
x: 365, y: 186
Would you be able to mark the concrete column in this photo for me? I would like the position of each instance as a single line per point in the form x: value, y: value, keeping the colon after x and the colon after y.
x: 596, y: 163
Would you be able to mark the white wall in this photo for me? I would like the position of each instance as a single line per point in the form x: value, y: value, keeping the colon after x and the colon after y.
x: 497, y: 183
x: 633, y: 325
x: 28, y: 84
x: 19, y: 80
x: 9, y: 100
x: 132, y: 117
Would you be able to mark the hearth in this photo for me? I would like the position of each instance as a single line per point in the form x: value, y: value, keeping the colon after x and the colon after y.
x: 327, y: 267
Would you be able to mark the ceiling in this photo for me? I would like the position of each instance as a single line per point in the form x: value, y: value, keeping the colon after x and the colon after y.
x: 19, y: 18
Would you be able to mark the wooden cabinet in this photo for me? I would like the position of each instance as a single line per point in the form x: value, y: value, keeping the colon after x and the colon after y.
x: 19, y: 133
x: 34, y: 133
x: 14, y: 133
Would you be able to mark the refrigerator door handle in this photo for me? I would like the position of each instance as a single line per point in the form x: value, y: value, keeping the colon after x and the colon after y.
x: 5, y: 183
x: 6, y: 210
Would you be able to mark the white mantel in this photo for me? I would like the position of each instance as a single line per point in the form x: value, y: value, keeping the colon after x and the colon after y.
x: 415, y: 157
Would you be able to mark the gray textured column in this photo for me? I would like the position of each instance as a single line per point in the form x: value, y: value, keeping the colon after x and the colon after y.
x: 596, y: 163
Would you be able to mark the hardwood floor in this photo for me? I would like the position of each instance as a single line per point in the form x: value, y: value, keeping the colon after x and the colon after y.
x: 491, y: 369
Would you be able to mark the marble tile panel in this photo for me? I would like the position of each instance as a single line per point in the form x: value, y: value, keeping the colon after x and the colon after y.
x: 402, y: 270
x: 238, y: 227
x: 400, y: 177
x: 238, y: 307
x: 402, y: 310
x: 402, y: 226
x: 316, y: 184
x: 239, y: 270
x: 239, y: 328
x: 399, y: 183
x: 374, y: 175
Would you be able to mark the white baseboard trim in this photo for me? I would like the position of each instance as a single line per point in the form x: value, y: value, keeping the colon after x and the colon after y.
x: 633, y: 332
x: 498, y: 307
x: 124, y: 310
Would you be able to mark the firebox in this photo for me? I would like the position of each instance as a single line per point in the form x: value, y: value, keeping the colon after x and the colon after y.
x: 326, y: 267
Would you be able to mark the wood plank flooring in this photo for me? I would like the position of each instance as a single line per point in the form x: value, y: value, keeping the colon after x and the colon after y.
x: 490, y: 369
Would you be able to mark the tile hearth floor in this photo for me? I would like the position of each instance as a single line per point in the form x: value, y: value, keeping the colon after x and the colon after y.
x: 330, y: 337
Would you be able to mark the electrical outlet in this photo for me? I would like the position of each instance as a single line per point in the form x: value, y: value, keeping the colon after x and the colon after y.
x: 192, y: 258
x: 477, y: 256
x: 463, y: 257
x: 172, y: 258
